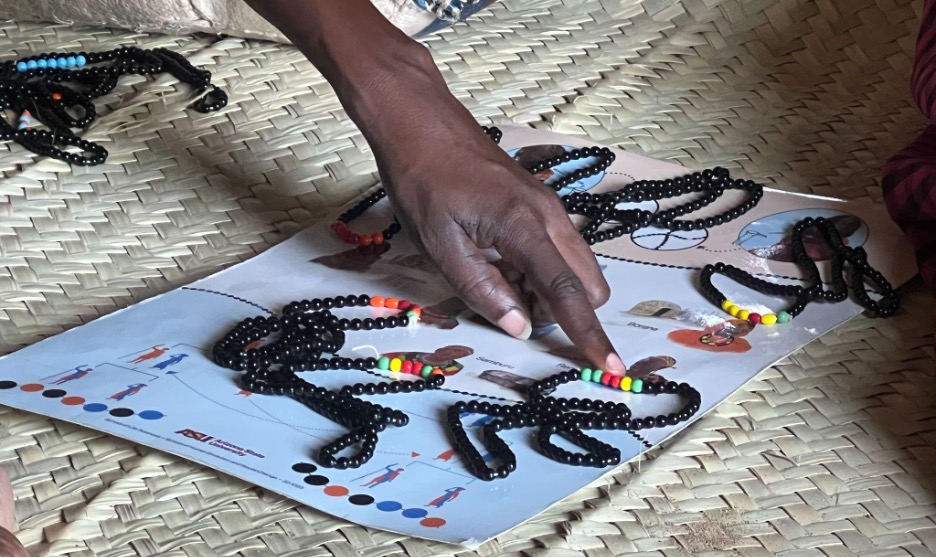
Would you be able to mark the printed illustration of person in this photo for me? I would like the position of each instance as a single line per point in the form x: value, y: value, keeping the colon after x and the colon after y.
x: 725, y: 337
x: 157, y: 352
x: 389, y: 476
x: 450, y: 494
x: 76, y: 375
x: 131, y: 390
x: 358, y: 259
x: 446, y: 455
x: 173, y: 359
x: 507, y: 380
x: 443, y: 315
x: 445, y: 359
x: 482, y: 421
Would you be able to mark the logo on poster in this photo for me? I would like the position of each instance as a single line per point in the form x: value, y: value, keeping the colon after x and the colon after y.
x: 195, y: 435
x: 218, y: 443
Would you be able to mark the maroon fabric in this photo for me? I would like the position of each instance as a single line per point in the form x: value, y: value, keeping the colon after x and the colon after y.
x: 909, y: 179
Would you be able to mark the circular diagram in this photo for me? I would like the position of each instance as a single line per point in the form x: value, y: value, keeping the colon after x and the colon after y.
x: 659, y: 239
x: 770, y: 237
x: 532, y: 154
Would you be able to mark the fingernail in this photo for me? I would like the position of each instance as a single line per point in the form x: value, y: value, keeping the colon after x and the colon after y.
x: 614, y: 364
x: 516, y: 324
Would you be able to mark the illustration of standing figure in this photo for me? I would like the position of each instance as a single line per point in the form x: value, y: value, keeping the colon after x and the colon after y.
x: 76, y: 375
x: 389, y: 476
x: 450, y: 494
x: 157, y: 352
x: 131, y: 390
x: 446, y: 455
x: 173, y: 359
x: 445, y: 359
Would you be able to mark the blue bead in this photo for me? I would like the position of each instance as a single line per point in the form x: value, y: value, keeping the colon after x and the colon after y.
x: 71, y: 61
x: 81, y: 60
x: 21, y: 66
x: 31, y: 65
x: 42, y: 64
x: 62, y: 63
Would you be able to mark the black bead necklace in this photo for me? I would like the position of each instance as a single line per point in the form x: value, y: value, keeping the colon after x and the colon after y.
x: 51, y: 87
x: 856, y: 258
x: 306, y: 332
x: 567, y: 417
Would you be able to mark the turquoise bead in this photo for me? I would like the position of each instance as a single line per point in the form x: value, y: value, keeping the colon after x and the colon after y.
x: 61, y: 63
x: 31, y: 65
x: 81, y: 60
x: 596, y: 376
x: 783, y: 317
x: 71, y: 61
x: 21, y: 66
x: 42, y: 64
x: 637, y: 386
x: 586, y: 374
x: 383, y: 363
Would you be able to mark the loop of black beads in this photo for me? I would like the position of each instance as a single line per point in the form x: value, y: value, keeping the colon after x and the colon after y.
x: 856, y: 258
x: 42, y: 91
x: 308, y: 331
x: 567, y: 417
x: 602, y: 209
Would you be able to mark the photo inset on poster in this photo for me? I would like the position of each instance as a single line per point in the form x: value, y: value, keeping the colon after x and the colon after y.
x: 532, y: 154
x: 655, y: 238
x: 769, y: 237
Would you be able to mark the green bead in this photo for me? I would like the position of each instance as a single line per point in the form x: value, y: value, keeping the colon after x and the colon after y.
x: 637, y: 386
x: 586, y: 374
x: 596, y: 376
x: 383, y: 363
x: 783, y: 317
x: 426, y: 371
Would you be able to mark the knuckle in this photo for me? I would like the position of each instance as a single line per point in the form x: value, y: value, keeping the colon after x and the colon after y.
x: 566, y: 285
x: 600, y: 294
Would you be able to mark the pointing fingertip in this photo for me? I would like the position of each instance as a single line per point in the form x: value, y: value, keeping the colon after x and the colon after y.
x: 614, y: 364
x: 514, y: 323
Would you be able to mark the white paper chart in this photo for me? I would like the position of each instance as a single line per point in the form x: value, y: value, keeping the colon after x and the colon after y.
x: 145, y: 373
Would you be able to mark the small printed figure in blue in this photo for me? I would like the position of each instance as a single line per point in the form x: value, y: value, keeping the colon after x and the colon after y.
x: 131, y: 390
x: 389, y: 476
x: 173, y: 359
x: 482, y: 421
x: 450, y: 494
x: 80, y: 372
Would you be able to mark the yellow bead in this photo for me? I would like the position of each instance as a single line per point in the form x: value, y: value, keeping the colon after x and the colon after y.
x: 734, y: 310
x: 626, y: 383
x: 768, y: 319
x: 395, y: 365
x: 744, y: 314
x: 727, y: 304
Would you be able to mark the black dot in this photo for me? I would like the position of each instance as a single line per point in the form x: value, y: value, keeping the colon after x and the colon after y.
x: 304, y: 468
x: 7, y: 384
x: 53, y: 393
x: 121, y: 413
x: 361, y: 500
x: 316, y: 480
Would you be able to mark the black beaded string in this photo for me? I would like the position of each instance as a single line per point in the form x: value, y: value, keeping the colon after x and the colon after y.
x: 306, y: 332
x: 856, y: 258
x: 51, y: 93
x: 567, y: 417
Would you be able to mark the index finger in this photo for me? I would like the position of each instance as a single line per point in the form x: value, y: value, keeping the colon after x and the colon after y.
x: 556, y: 283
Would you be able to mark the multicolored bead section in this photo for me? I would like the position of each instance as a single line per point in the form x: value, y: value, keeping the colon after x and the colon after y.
x: 395, y: 364
x: 753, y: 317
x: 346, y: 234
x: 60, y: 63
x: 623, y: 383
x: 25, y: 121
x: 413, y: 311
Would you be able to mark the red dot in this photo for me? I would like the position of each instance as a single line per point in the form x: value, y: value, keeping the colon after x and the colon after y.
x: 432, y: 522
x: 73, y: 400
x: 32, y: 387
x: 335, y: 490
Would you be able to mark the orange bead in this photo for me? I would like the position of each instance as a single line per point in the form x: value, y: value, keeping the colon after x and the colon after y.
x: 365, y: 240
x: 391, y: 303
x: 377, y: 301
x: 437, y: 372
x: 416, y: 310
x: 56, y: 96
x: 378, y: 238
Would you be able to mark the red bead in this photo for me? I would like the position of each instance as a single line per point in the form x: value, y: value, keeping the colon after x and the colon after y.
x: 56, y: 96
x: 407, y: 367
x: 365, y: 240
x: 378, y: 238
x: 354, y: 239
x: 754, y: 318
x: 403, y: 305
x: 616, y: 382
x: 606, y: 378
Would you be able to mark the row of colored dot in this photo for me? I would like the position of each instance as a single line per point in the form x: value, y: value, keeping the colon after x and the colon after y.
x: 412, y: 310
x: 73, y: 400
x: 408, y: 367
x: 346, y: 234
x: 623, y: 383
x: 51, y: 63
x: 754, y: 317
x: 339, y: 491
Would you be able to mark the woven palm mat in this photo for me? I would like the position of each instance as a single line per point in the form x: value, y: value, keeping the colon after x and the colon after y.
x: 828, y: 453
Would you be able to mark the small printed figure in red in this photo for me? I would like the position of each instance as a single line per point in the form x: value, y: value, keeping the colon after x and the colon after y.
x: 446, y: 455
x: 157, y: 352
x: 385, y: 477
x: 131, y: 390
x: 450, y: 494
x: 79, y: 373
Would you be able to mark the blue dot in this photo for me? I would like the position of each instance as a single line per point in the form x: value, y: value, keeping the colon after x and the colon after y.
x: 151, y: 415
x: 389, y: 506
x: 95, y: 407
x: 415, y: 513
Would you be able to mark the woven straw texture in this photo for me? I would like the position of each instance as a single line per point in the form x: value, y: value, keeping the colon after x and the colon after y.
x: 828, y: 453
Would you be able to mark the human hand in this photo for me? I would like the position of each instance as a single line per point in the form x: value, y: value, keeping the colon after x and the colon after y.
x: 458, y: 194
